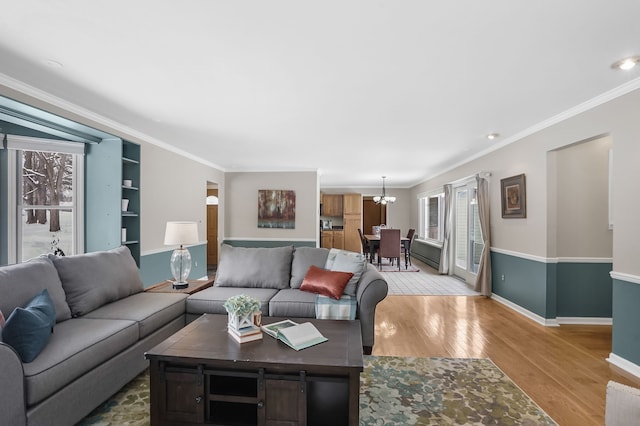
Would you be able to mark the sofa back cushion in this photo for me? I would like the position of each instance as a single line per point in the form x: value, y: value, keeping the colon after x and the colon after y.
x: 91, y: 280
x: 22, y: 282
x: 254, y: 267
x: 303, y: 259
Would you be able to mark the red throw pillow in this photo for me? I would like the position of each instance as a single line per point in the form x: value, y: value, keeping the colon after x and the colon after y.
x: 327, y: 283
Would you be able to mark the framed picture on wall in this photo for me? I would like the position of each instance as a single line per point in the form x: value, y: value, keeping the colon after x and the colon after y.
x: 514, y: 197
x: 276, y: 209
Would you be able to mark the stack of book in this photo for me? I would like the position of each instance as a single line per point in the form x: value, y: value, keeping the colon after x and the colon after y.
x: 246, y: 334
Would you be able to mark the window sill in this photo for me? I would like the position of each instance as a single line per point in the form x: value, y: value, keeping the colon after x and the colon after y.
x: 432, y: 243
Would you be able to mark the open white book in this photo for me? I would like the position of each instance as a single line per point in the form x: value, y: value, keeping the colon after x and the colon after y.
x: 297, y: 336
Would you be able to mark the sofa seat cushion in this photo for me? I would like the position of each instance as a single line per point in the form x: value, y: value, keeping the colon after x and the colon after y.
x: 91, y: 280
x: 151, y: 311
x: 303, y: 259
x: 211, y: 300
x: 21, y: 282
x: 254, y: 267
x: 76, y: 346
x: 293, y: 303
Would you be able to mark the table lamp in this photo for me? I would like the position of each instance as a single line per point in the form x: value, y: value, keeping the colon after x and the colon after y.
x: 180, y: 233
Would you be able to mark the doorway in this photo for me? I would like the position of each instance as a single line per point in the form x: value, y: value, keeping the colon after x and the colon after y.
x: 372, y: 214
x: 467, y: 234
x: 212, y: 227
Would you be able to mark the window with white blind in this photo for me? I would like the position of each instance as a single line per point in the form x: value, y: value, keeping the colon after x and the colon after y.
x: 431, y: 215
x: 46, y: 186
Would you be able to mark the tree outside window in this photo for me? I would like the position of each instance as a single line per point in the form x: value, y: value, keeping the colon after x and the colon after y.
x: 47, y: 203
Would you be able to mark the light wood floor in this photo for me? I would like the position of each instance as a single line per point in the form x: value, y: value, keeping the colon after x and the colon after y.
x: 563, y: 369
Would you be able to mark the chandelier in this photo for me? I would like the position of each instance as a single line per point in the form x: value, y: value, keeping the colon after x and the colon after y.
x: 384, y: 198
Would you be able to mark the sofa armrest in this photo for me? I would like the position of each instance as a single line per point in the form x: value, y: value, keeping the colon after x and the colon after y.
x: 372, y: 288
x: 12, y: 392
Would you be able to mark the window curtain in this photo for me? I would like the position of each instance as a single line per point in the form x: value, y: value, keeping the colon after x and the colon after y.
x: 483, y: 279
x: 446, y: 231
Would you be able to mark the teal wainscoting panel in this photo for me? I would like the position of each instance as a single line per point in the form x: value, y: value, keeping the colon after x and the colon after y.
x: 552, y: 290
x: 282, y: 243
x: 426, y: 253
x: 155, y: 267
x: 525, y: 283
x: 584, y: 290
x: 626, y: 317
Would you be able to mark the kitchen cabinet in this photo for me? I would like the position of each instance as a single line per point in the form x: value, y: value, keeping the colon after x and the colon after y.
x: 332, y: 205
x: 327, y: 239
x: 352, y: 220
x: 352, y: 204
x: 338, y: 239
x: 351, y: 236
x: 333, y: 239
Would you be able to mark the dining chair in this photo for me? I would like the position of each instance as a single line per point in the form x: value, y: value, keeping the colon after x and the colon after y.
x: 389, y: 245
x: 366, y: 248
x: 406, y: 248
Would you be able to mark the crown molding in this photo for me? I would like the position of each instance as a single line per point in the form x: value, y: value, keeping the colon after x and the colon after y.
x: 113, y: 126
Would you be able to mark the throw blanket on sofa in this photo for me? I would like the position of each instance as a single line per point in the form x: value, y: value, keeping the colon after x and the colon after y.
x: 330, y: 308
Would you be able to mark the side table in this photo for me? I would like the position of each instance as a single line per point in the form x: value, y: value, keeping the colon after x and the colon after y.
x: 167, y: 286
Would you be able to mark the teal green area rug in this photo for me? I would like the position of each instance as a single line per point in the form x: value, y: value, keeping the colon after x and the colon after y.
x: 443, y: 391
x: 393, y: 391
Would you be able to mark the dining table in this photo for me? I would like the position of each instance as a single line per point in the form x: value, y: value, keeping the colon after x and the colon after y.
x: 374, y: 244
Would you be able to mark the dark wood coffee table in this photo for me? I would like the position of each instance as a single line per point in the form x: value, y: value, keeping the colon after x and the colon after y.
x: 201, y: 375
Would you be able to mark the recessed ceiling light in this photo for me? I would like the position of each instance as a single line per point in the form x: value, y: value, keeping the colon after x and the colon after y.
x: 626, y: 63
x: 492, y: 136
x: 52, y: 64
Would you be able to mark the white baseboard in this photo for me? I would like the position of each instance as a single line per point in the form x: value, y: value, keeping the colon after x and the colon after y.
x: 527, y: 313
x: 552, y: 322
x: 624, y: 364
x: 585, y: 320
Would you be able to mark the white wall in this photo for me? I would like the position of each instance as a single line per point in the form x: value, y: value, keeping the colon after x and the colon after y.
x: 173, y: 187
x: 398, y: 213
x: 618, y: 118
x: 582, y: 226
x: 241, y: 204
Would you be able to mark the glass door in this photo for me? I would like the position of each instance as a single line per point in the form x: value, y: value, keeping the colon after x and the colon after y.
x: 467, y: 234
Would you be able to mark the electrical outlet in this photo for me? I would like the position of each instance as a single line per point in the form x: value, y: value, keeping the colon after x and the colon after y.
x: 502, y: 277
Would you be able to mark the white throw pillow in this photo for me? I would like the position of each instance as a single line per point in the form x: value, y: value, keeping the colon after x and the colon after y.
x: 347, y: 261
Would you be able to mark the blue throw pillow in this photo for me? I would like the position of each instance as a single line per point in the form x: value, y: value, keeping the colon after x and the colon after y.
x: 28, y: 329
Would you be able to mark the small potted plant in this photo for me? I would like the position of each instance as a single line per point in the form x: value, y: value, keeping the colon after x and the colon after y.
x: 244, y: 311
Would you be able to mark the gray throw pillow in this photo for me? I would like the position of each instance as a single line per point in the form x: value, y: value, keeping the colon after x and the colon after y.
x: 303, y: 259
x: 91, y: 280
x: 347, y: 261
x: 254, y: 267
x: 19, y: 284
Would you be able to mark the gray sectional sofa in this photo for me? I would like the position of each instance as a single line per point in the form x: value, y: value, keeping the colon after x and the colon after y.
x: 104, y: 323
x: 274, y: 276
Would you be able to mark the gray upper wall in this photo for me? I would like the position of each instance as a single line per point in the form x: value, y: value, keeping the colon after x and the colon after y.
x: 241, y: 205
x: 529, y: 155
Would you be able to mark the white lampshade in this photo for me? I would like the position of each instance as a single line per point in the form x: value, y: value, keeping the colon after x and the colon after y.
x: 181, y: 233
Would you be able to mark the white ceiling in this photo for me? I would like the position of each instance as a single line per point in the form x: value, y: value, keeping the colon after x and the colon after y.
x: 355, y: 89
